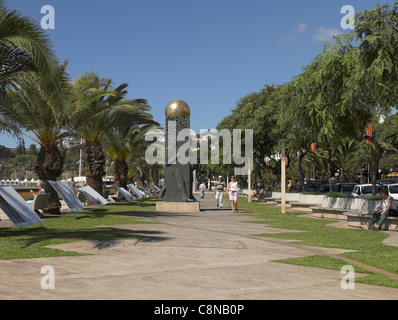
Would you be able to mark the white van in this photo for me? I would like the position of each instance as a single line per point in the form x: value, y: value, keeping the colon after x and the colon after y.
x: 393, y: 190
x: 363, y: 190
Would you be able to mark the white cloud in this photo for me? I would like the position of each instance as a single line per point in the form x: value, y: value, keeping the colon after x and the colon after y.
x: 319, y: 34
x: 300, y: 28
x: 325, y: 34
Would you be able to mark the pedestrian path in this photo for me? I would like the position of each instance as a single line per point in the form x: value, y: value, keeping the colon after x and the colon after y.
x: 213, y: 254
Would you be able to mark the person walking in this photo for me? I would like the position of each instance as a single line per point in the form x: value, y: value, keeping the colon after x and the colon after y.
x: 72, y: 183
x: 219, y: 188
x: 202, y: 189
x: 232, y: 190
x: 162, y: 183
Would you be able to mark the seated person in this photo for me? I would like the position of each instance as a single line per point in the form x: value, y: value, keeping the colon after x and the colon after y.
x: 41, y: 191
x: 388, y: 207
x: 256, y: 195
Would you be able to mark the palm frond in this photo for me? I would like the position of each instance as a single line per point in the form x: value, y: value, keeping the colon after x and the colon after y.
x: 26, y: 48
x: 98, y: 107
x: 31, y: 109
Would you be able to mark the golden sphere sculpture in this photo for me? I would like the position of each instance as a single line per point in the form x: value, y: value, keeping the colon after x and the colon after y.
x: 178, y: 108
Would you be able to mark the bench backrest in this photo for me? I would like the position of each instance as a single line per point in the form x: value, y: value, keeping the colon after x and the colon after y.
x: 369, y: 206
x: 40, y: 201
x: 342, y: 203
x: 292, y: 196
x: 312, y: 199
x: 276, y: 195
x: 267, y: 193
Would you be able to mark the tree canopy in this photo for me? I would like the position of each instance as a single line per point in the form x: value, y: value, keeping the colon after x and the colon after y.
x: 350, y: 86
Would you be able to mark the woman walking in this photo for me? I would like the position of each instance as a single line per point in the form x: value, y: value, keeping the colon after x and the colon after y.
x: 233, y: 188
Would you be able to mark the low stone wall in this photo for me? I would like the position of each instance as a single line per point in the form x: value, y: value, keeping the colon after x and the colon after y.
x: 340, y: 207
x: 355, y: 211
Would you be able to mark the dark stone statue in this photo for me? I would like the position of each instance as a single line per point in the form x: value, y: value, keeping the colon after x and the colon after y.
x: 178, y: 176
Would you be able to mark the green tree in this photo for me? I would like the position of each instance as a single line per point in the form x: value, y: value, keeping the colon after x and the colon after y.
x: 25, y: 49
x: 294, y: 120
x: 98, y: 107
x: 122, y: 142
x: 32, y: 114
x: 344, y: 159
x: 5, y: 154
x: 377, y: 70
x: 21, y: 146
x: 33, y: 149
x: 256, y: 111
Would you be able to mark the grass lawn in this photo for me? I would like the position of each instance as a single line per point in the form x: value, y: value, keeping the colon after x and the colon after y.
x: 91, y: 224
x: 30, y: 242
x: 368, y: 245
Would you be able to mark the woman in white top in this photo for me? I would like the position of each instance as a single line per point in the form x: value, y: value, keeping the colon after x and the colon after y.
x: 388, y: 207
x: 232, y: 189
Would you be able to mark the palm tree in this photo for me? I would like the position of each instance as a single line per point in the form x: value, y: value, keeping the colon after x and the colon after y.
x: 25, y: 49
x: 122, y: 142
x: 98, y: 108
x: 138, y: 169
x: 344, y: 157
x: 30, y: 111
x: 319, y: 159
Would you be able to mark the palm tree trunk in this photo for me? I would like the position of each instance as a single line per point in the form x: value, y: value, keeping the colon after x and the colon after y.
x: 301, y: 171
x: 49, y: 167
x: 376, y: 162
x: 154, y: 176
x: 120, y: 171
x: 93, y: 162
x: 138, y: 178
x: 329, y: 166
x: 375, y: 170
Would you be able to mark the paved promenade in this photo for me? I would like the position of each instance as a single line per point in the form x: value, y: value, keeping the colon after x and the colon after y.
x: 206, y: 255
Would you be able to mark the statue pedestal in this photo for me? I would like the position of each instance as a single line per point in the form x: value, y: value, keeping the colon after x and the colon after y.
x: 182, y: 207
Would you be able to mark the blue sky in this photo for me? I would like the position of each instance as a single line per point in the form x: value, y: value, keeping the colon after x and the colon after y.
x: 208, y: 53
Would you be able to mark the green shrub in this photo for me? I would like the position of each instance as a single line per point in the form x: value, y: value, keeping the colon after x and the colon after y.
x: 312, y: 193
x: 376, y: 197
x: 337, y: 195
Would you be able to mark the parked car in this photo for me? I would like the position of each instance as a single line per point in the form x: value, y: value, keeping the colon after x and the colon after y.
x: 393, y: 190
x: 325, y: 188
x: 346, y: 187
x: 315, y: 185
x: 363, y: 190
